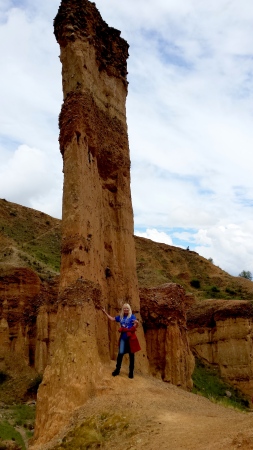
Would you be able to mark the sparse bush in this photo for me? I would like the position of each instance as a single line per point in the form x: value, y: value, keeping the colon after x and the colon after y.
x: 94, y: 432
x: 195, y: 284
x: 215, y: 289
x: 210, y: 260
x: 230, y: 291
x: 246, y: 274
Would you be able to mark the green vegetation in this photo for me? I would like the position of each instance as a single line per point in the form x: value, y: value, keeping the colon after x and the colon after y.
x: 8, y: 433
x: 246, y: 274
x: 95, y: 431
x: 195, y: 284
x: 207, y: 382
x: 35, y: 235
x: 21, y: 416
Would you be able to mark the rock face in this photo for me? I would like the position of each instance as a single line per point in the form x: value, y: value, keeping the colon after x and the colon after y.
x: 163, y: 310
x: 221, y: 333
x: 98, y: 261
x: 27, y: 316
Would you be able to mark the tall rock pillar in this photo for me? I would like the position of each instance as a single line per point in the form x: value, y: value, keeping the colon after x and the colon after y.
x: 98, y: 264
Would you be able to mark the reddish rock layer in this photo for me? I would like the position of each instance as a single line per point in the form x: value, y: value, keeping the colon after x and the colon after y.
x: 163, y: 310
x: 27, y: 314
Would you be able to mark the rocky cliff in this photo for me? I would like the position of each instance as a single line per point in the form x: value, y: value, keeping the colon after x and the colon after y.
x: 163, y: 310
x: 221, y: 333
x: 27, y: 316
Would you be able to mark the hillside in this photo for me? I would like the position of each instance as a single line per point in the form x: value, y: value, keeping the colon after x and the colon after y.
x: 153, y: 413
x: 29, y: 238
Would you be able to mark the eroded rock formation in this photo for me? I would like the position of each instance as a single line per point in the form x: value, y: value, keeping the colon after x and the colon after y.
x: 163, y: 310
x: 98, y: 265
x: 27, y: 316
x: 221, y: 333
x: 97, y: 236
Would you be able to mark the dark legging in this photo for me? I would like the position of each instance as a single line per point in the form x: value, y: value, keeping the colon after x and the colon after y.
x: 124, y: 348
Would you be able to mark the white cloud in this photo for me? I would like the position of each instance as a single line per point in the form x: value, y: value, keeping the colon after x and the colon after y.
x: 31, y: 98
x: 189, y: 113
x: 230, y: 246
x: 155, y: 235
x: 28, y: 167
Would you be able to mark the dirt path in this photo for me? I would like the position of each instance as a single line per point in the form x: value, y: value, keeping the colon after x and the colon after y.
x: 163, y: 417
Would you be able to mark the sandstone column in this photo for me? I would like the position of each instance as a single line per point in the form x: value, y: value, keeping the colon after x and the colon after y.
x: 97, y: 243
x: 98, y: 265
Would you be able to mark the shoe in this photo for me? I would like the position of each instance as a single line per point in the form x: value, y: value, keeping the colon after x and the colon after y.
x: 131, y: 375
x: 115, y: 373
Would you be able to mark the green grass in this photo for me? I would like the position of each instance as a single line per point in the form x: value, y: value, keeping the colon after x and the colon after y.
x: 36, y: 235
x: 207, y: 382
x: 8, y: 433
x: 95, y: 431
x: 23, y: 415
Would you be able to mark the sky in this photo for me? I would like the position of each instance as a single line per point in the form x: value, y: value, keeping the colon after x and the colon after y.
x: 189, y: 115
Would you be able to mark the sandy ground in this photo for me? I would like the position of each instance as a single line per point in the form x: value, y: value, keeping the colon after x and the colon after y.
x: 162, y: 416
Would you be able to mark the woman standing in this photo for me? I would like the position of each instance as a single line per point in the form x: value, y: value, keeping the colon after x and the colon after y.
x: 128, y: 342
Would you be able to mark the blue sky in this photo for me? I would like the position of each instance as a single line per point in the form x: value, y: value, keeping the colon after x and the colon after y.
x: 189, y: 113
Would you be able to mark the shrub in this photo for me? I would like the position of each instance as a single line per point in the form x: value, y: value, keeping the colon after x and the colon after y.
x: 195, y: 284
x: 246, y: 274
x: 230, y: 291
x: 94, y: 432
x: 215, y: 289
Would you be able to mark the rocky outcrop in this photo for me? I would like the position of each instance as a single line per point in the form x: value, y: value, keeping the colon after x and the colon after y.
x: 18, y: 290
x: 163, y: 310
x: 27, y: 316
x: 28, y: 324
x: 97, y: 224
x: 221, y: 333
x: 98, y: 261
